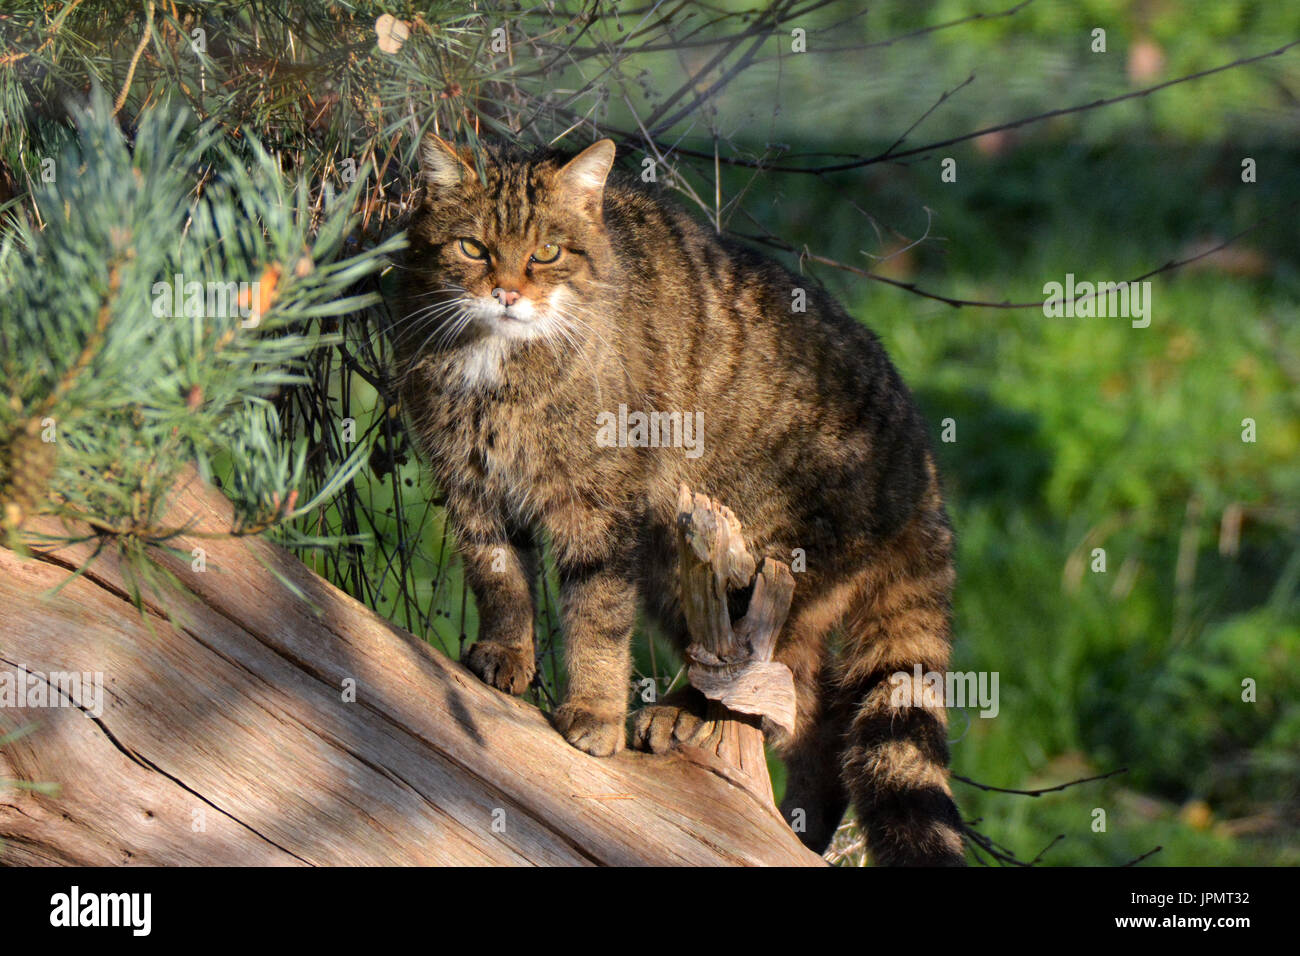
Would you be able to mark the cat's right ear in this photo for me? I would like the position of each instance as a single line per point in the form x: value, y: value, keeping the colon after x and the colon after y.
x: 582, y: 179
x: 442, y: 165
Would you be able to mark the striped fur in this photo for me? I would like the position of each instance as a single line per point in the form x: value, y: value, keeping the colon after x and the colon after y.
x: 809, y: 435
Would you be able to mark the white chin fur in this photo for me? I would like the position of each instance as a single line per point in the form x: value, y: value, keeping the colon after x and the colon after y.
x: 482, y: 363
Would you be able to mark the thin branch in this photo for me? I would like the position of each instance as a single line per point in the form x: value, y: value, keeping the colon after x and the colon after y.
x: 1138, y: 859
x: 937, y: 103
x: 979, y: 841
x: 772, y: 14
x: 1037, y: 793
x: 1013, y: 124
x: 805, y: 255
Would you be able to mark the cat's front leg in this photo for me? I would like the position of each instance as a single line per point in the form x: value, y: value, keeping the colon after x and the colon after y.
x: 499, y: 571
x: 599, y: 614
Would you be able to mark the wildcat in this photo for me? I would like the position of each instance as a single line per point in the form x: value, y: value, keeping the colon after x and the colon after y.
x: 540, y: 294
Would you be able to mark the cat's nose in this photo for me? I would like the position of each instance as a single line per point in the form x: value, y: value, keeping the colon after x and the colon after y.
x: 506, y: 298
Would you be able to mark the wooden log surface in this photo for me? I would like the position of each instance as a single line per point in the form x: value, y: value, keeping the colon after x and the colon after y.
x: 225, y: 736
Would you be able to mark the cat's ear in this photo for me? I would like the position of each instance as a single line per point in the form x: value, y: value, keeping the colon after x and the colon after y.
x: 442, y: 165
x: 582, y: 179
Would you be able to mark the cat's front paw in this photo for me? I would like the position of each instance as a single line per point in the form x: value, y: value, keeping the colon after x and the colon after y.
x: 597, y: 731
x: 506, y: 668
x: 659, y: 727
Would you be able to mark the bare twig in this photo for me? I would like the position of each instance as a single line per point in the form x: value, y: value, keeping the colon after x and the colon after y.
x: 1038, y: 793
x: 889, y: 154
x: 807, y: 256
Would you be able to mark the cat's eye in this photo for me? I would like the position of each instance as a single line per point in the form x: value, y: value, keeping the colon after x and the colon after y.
x: 475, y: 250
x: 547, y: 252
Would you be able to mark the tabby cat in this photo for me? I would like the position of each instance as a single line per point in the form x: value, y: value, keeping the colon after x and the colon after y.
x: 544, y: 296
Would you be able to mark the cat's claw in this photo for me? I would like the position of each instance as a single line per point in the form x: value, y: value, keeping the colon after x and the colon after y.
x: 601, y: 735
x: 509, y: 669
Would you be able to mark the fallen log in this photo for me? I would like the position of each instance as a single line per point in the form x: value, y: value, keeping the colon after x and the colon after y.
x: 259, y: 715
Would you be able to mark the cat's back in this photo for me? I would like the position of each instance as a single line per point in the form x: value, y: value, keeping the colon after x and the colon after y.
x: 738, y: 317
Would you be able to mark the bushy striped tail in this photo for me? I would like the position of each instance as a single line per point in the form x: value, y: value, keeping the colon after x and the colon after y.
x: 895, y: 760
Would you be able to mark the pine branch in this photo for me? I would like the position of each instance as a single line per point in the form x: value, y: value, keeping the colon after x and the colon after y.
x: 143, y: 329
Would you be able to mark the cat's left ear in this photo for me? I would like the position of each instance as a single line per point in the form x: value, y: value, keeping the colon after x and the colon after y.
x: 582, y: 179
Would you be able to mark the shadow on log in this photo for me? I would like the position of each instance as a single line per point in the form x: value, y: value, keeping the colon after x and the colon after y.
x: 227, y: 733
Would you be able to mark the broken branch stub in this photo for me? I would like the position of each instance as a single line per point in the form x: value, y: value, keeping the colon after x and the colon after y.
x: 732, y: 664
x: 752, y: 683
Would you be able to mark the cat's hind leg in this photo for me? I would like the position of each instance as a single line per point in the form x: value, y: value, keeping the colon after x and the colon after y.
x: 815, y: 798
